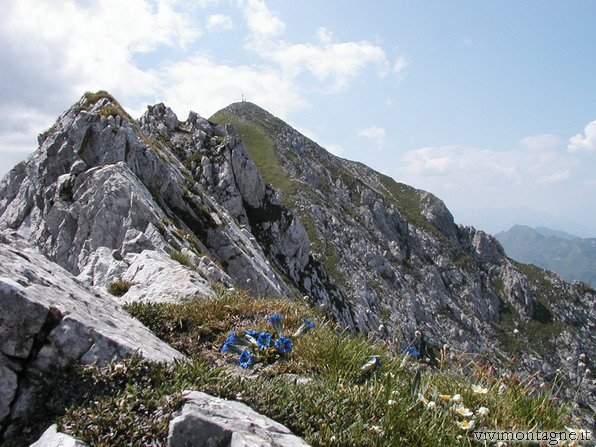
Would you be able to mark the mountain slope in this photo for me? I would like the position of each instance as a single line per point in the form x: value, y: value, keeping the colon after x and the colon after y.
x: 258, y: 206
x: 572, y: 258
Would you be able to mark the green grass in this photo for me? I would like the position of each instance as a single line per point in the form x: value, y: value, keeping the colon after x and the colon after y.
x: 181, y: 258
x: 408, y: 201
x: 337, y: 405
x: 119, y: 287
x: 261, y: 148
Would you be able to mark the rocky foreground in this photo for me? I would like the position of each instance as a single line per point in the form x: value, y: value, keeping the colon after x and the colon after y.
x: 251, y: 205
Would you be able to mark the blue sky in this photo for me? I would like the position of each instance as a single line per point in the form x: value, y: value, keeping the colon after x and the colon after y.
x: 489, y: 105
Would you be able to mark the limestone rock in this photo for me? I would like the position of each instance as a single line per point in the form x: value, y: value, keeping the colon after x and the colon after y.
x: 158, y: 278
x: 53, y: 438
x: 206, y: 421
x: 50, y: 320
x: 101, y: 189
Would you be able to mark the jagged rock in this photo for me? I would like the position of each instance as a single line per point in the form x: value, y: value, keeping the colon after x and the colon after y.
x: 206, y: 421
x: 50, y: 320
x: 53, y: 438
x: 518, y: 290
x: 437, y: 213
x: 159, y: 279
x: 133, y: 195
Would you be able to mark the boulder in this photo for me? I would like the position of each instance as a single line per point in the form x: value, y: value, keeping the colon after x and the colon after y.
x: 52, y: 438
x: 207, y: 421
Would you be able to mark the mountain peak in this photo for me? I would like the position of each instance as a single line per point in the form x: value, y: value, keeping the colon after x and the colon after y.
x: 173, y: 209
x: 245, y: 107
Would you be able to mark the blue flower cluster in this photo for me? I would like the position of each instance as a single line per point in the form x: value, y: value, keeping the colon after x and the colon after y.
x: 265, y: 345
x: 413, y: 352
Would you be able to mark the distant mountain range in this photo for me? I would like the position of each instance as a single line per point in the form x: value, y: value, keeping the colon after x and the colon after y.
x: 495, y: 220
x: 570, y: 256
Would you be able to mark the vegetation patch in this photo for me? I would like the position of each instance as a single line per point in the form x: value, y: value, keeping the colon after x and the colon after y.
x: 119, y: 287
x: 114, y: 108
x: 320, y: 390
x: 261, y: 148
x: 181, y: 258
x: 407, y: 200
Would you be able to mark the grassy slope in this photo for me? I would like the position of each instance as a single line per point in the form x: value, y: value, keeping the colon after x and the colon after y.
x: 337, y: 405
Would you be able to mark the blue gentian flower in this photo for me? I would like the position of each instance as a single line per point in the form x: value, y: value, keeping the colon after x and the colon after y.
x: 228, y: 347
x: 264, y: 340
x: 413, y: 352
x: 283, y: 345
x: 275, y: 320
x: 246, y: 359
x: 305, y: 327
x: 372, y: 363
x: 233, y: 339
x: 252, y: 333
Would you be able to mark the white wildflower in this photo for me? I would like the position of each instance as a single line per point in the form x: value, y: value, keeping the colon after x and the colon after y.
x: 482, y: 411
x: 479, y: 390
x: 456, y: 398
x: 466, y: 425
x: 463, y: 411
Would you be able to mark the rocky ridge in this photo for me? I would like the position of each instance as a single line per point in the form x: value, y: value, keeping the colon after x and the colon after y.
x: 256, y: 205
x: 401, y: 264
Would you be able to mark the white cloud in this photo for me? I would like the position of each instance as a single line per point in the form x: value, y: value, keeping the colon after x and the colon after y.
x: 537, y: 171
x: 199, y: 82
x: 585, y: 142
x: 19, y: 126
x: 53, y: 53
x: 375, y: 134
x: 540, y: 142
x: 261, y: 22
x: 400, y: 65
x: 92, y: 45
x: 336, y: 62
x: 219, y: 22
x: 324, y: 35
x: 555, y: 177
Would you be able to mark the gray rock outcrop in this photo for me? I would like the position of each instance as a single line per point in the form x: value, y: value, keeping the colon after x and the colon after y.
x: 52, y: 438
x: 49, y: 321
x: 207, y: 421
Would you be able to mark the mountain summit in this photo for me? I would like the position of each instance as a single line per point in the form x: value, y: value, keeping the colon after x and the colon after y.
x: 176, y: 208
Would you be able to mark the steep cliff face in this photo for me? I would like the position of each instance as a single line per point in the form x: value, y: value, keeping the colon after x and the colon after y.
x: 257, y: 205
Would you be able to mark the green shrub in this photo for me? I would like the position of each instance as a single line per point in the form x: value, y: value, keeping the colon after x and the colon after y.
x: 119, y: 287
x: 180, y: 257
